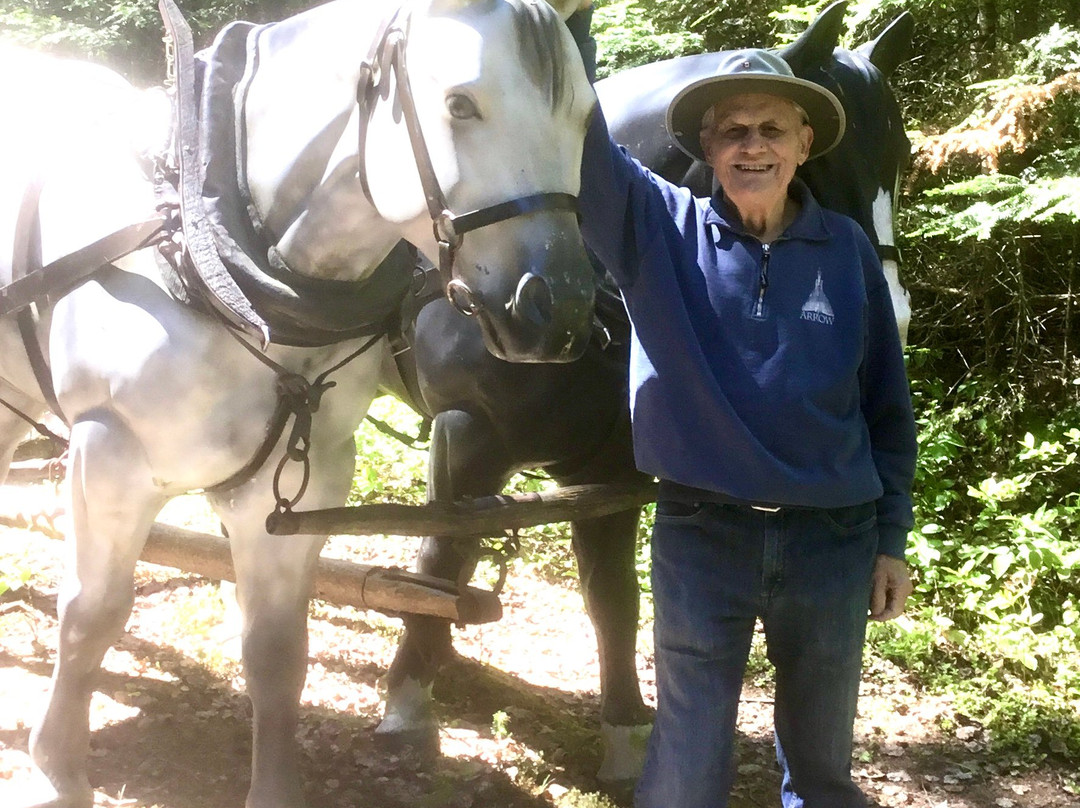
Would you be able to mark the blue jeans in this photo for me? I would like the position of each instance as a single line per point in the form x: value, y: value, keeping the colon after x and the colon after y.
x: 806, y: 574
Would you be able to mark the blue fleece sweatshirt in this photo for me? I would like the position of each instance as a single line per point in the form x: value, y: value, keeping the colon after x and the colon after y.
x: 760, y: 374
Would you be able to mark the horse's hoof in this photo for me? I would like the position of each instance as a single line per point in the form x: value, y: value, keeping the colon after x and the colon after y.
x: 624, y: 758
x: 408, y: 720
x: 422, y: 741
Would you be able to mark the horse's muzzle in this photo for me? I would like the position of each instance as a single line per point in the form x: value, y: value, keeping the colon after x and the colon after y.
x: 530, y: 286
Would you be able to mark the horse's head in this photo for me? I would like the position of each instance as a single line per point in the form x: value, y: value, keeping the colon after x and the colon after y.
x: 875, y: 150
x: 460, y: 106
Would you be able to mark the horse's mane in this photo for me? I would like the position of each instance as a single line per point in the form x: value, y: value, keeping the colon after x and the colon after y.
x: 538, y: 39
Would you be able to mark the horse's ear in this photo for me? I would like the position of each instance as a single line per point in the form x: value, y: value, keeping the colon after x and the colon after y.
x: 815, y: 45
x: 892, y: 46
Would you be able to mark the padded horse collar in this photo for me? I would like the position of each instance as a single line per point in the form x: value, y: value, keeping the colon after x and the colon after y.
x: 388, y: 53
x: 228, y: 264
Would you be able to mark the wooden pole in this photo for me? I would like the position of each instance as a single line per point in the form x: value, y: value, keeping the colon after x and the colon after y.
x: 392, y: 591
x: 483, y: 516
x: 29, y: 472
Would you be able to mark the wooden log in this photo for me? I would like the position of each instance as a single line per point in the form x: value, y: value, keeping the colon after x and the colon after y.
x: 483, y: 516
x: 383, y: 589
x: 392, y: 591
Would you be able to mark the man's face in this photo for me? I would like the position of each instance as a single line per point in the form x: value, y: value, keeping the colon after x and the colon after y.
x: 754, y: 144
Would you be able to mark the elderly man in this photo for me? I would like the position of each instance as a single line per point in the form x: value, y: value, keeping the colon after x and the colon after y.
x: 769, y: 397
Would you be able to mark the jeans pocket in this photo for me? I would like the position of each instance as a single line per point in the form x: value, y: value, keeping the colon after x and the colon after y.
x: 675, y: 512
x: 852, y: 520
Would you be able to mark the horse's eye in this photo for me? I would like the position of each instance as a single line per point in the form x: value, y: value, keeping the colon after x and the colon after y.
x: 461, y: 106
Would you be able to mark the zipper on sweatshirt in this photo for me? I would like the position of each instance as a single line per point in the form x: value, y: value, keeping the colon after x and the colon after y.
x: 763, y: 283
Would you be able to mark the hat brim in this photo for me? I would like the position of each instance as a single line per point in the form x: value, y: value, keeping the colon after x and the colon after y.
x: 686, y: 110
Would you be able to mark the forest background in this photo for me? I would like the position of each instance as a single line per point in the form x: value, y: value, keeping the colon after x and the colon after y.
x: 990, y: 238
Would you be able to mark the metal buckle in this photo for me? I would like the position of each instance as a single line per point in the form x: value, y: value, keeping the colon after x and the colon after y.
x: 443, y: 228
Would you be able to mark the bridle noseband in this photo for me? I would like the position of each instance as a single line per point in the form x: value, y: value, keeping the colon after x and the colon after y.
x: 388, y: 52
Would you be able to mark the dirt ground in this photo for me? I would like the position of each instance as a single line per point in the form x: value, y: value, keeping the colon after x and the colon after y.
x: 519, y: 707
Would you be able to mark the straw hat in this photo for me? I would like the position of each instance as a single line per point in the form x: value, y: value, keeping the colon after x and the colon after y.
x: 754, y: 71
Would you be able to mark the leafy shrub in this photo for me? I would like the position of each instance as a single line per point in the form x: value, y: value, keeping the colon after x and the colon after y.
x: 1051, y: 53
x: 996, y: 560
x: 626, y: 37
x: 14, y: 579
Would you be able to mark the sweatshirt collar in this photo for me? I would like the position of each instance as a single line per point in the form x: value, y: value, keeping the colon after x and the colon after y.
x: 809, y: 224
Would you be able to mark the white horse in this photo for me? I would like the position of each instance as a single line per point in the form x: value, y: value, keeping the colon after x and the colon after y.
x: 162, y: 399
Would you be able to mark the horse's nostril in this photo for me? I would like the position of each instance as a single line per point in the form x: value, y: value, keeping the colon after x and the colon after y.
x: 532, y: 300
x: 462, y: 298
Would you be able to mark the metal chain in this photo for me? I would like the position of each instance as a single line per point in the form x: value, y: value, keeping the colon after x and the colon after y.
x: 303, y: 399
x: 500, y: 556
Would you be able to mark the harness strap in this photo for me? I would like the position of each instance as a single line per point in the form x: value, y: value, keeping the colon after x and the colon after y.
x: 26, y: 263
x: 45, y: 286
x: 274, y: 429
x: 38, y: 427
x: 296, y: 397
x: 214, y: 283
x: 888, y: 252
x: 459, y: 224
x: 27, y: 320
x: 33, y: 285
x: 371, y: 72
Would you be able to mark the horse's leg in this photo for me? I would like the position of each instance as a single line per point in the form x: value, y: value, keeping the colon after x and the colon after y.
x: 274, y: 579
x: 12, y: 430
x: 606, y: 552
x: 113, y: 501
x: 465, y: 459
x: 605, y: 548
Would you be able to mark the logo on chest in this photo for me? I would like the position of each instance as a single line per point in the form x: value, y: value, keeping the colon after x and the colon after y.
x: 817, y: 308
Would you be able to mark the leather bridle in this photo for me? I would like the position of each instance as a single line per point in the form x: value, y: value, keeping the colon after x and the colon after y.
x: 388, y: 53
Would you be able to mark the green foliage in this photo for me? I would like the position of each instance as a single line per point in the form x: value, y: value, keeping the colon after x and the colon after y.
x: 977, y: 208
x: 386, y: 469
x: 626, y: 38
x: 125, y: 35
x: 12, y: 580
x: 1051, y: 53
x: 996, y: 559
x: 1010, y: 555
x: 721, y: 26
x: 863, y: 19
x: 578, y: 799
x: 500, y: 725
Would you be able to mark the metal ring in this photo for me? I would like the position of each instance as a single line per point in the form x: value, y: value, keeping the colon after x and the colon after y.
x: 443, y: 228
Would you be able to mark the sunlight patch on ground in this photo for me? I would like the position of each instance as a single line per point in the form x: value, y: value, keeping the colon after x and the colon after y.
x: 338, y: 691
x: 562, y: 652
x: 21, y: 713
x: 126, y: 664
